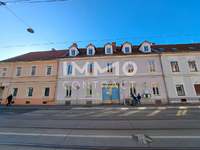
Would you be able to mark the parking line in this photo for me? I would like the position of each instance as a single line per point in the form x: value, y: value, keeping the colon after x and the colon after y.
x: 154, y: 113
x: 130, y: 113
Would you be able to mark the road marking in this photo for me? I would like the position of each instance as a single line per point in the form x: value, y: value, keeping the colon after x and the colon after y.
x: 105, y: 113
x: 98, y: 136
x: 154, y: 113
x: 181, y: 112
x: 130, y: 113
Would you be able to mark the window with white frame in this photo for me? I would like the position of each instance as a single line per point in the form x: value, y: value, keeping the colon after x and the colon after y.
x: 33, y: 70
x: 89, y: 89
x: 146, y: 48
x: 90, y: 68
x: 69, y: 69
x: 108, y: 49
x: 15, y: 92
x: 49, y: 70
x: 180, y: 90
x: 90, y: 51
x: 152, y: 66
x: 132, y: 89
x: 18, y: 71
x: 30, y: 92
x: 192, y: 66
x: 73, y: 52
x: 175, y: 66
x: 68, y: 91
x: 155, y: 90
x: 109, y: 67
x: 130, y: 68
x: 127, y: 49
x: 46, y: 91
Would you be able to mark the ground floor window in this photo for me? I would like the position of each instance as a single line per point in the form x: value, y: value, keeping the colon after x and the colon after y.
x: 30, y: 92
x: 197, y: 89
x: 89, y: 90
x: 68, y: 91
x: 47, y: 92
x: 15, y: 91
x: 155, y: 90
x: 180, y: 90
x: 132, y: 90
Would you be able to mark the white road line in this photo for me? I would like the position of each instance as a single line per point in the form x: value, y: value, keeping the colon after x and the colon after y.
x: 97, y: 136
x: 130, y: 113
x: 110, y: 112
x: 175, y: 137
x: 153, y: 113
x: 181, y: 112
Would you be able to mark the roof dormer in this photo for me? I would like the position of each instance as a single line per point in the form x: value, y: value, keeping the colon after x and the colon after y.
x: 127, y: 48
x: 108, y: 49
x: 90, y: 50
x: 145, y: 47
x: 73, y: 50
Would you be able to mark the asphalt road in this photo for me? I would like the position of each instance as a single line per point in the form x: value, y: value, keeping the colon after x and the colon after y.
x: 105, y: 128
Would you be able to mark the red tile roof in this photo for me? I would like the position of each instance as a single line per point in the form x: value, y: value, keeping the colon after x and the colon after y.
x: 56, y: 54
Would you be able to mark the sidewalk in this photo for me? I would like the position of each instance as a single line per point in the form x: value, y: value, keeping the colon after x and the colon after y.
x: 98, y: 107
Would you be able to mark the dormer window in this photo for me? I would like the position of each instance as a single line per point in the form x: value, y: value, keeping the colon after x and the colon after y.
x: 73, y: 52
x: 108, y: 49
x: 127, y: 50
x: 90, y: 50
x: 146, y: 48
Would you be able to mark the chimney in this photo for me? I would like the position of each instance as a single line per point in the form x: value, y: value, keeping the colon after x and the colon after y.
x: 114, y: 46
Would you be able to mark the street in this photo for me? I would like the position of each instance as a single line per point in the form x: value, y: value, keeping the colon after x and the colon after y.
x: 103, y: 127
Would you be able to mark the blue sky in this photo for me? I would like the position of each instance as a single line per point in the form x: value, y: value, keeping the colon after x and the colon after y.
x: 98, y: 21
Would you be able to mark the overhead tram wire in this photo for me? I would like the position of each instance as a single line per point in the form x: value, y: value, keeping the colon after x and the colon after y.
x: 35, y: 1
x: 4, y: 4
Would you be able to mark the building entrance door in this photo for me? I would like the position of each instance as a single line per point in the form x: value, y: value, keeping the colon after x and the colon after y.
x: 111, y: 93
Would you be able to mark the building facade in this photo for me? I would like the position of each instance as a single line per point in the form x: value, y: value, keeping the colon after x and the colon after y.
x: 29, y: 79
x: 79, y: 81
x: 109, y: 74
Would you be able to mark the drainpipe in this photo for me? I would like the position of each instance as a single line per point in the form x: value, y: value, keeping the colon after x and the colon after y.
x: 163, y: 75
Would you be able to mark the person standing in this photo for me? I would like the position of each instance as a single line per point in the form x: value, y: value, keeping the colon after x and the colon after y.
x: 139, y: 98
x: 9, y: 100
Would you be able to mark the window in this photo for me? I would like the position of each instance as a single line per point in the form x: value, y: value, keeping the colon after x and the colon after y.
x: 132, y: 89
x: 19, y: 70
x: 155, y: 90
x: 33, y: 70
x: 73, y: 52
x: 89, y: 90
x: 146, y: 48
x: 180, y: 90
x: 192, y: 66
x: 108, y: 50
x: 47, y: 92
x: 4, y: 72
x: 68, y: 91
x: 90, y: 67
x: 130, y: 68
x: 127, y: 49
x: 109, y: 67
x: 15, y: 91
x: 30, y: 92
x: 152, y: 66
x: 174, y: 66
x: 90, y: 51
x: 49, y: 69
x: 197, y: 89
x: 69, y: 69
